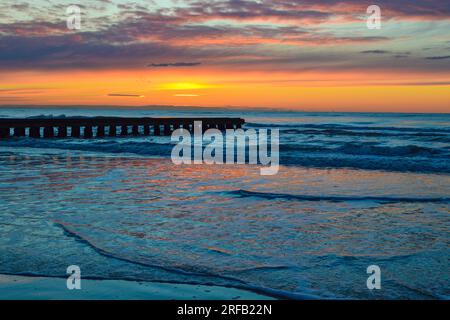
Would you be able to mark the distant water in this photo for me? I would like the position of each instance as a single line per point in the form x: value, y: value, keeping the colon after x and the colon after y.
x: 354, y: 190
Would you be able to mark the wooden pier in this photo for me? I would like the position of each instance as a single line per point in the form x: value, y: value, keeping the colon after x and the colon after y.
x: 99, y: 127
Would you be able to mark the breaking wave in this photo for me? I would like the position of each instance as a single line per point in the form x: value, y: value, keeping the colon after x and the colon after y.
x: 296, y: 197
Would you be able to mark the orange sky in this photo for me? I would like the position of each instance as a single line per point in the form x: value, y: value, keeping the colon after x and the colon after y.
x: 302, y: 55
x: 307, y: 91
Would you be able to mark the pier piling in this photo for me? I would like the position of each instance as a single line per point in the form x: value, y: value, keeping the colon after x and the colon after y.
x: 156, y: 126
x: 4, y: 132
x: 35, y: 132
x: 76, y: 132
x: 19, y: 132
x: 124, y: 131
x: 88, y: 133
x: 135, y: 130
x: 167, y: 129
x: 49, y: 132
x: 62, y: 132
x: 112, y: 130
x: 157, y: 130
x: 100, y: 131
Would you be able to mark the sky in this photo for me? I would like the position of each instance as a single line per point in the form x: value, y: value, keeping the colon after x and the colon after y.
x: 284, y: 54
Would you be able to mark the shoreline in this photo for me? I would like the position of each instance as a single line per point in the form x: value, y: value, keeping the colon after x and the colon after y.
x: 15, y: 287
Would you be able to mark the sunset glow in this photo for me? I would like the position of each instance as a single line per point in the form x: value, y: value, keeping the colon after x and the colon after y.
x: 277, y: 54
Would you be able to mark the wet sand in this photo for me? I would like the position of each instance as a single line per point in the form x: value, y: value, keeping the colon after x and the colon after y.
x: 36, y: 288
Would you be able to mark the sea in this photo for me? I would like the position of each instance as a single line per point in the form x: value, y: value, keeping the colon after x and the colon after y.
x: 354, y: 190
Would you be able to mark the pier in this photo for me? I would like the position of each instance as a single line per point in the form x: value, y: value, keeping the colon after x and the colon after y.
x: 99, y: 127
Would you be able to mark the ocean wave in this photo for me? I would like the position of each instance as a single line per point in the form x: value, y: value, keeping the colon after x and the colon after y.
x: 333, y: 126
x: 296, y: 197
x: 229, y: 280
x: 265, y: 291
x: 368, y: 149
x: 50, y: 116
x: 398, y: 151
x: 78, y: 237
x: 332, y: 132
x: 59, y: 116
x: 393, y: 164
x: 116, y: 146
x: 366, y: 156
x: 163, y: 147
x: 432, y: 136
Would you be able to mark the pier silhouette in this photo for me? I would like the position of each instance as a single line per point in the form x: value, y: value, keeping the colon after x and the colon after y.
x: 99, y: 127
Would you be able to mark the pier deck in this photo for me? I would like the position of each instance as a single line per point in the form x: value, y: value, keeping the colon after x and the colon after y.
x: 79, y: 127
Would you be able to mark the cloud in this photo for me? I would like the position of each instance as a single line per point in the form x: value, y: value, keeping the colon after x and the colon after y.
x: 400, y: 56
x: 309, y: 12
x: 23, y: 90
x: 125, y: 95
x: 176, y: 64
x: 433, y: 83
x: 375, y: 51
x: 395, y: 55
x: 20, y: 6
x: 268, y: 34
x: 438, y: 58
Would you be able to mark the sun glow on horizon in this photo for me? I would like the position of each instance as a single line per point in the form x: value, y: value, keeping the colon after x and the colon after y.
x: 317, y: 56
x: 180, y: 86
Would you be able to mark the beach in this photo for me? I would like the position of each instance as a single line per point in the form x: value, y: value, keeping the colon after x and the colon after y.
x: 225, y: 149
x: 38, y: 288
x: 353, y: 190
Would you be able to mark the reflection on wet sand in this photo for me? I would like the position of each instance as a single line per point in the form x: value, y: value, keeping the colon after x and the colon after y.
x: 151, y: 219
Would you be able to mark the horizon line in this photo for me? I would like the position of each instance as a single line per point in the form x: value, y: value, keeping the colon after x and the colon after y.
x: 235, y: 108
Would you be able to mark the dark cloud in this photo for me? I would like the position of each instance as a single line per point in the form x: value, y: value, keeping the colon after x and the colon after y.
x: 311, y: 11
x: 438, y: 58
x: 422, y: 9
x: 132, y: 42
x: 176, y: 64
x: 22, y: 90
x: 375, y: 51
x: 20, y: 6
x: 433, y: 83
x: 248, y: 10
x: 400, y: 56
x: 124, y: 95
x: 33, y: 28
x: 77, y: 52
x: 395, y: 55
x: 183, y: 33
